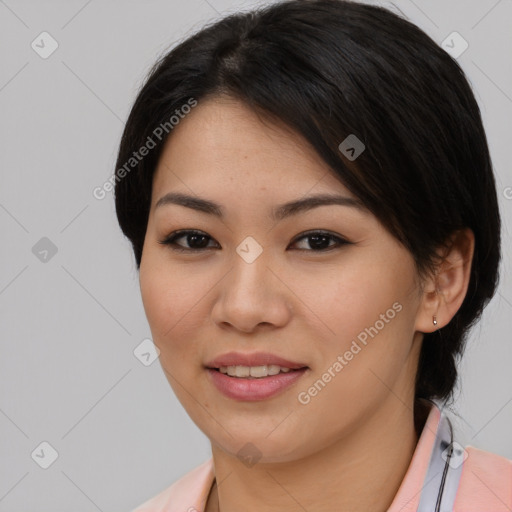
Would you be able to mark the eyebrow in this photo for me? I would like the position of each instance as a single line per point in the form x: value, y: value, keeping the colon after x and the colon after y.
x: 279, y: 213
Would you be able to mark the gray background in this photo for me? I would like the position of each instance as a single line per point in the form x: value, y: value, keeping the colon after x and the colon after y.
x: 70, y: 324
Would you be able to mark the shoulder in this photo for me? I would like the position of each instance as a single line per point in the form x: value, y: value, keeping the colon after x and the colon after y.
x: 486, y: 482
x: 185, y: 494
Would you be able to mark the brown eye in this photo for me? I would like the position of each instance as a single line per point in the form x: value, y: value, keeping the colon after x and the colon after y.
x: 196, y: 240
x: 319, y: 241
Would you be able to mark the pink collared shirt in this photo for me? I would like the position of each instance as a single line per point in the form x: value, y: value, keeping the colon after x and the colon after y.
x: 485, y: 482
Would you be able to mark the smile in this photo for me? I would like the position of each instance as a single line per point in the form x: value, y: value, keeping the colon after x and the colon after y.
x: 256, y: 372
x: 253, y: 387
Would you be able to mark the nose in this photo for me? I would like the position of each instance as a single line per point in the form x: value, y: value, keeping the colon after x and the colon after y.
x: 251, y: 296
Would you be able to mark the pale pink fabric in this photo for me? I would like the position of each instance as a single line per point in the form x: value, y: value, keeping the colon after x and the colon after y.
x: 485, y: 485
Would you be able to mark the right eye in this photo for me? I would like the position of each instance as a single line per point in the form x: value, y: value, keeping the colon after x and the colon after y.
x: 195, y: 239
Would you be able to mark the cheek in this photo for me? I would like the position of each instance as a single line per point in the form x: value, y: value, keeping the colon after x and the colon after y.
x: 353, y: 299
x: 171, y: 306
x: 170, y: 303
x: 367, y: 312
x: 370, y: 287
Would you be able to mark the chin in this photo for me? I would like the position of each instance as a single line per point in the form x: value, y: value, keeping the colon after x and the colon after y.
x: 260, y: 448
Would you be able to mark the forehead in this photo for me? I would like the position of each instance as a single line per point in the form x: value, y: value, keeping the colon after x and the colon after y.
x: 222, y: 141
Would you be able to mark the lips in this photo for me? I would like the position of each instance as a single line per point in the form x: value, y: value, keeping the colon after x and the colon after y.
x: 253, y: 390
x: 255, y: 359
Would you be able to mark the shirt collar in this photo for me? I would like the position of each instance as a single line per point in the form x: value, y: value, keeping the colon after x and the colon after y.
x: 408, y: 496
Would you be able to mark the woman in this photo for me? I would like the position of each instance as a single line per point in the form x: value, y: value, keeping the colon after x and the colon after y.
x: 311, y: 203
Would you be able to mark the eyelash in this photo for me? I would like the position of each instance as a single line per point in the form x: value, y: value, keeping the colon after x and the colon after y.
x: 170, y: 240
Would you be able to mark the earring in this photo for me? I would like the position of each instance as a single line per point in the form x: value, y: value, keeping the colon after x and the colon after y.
x: 434, y: 320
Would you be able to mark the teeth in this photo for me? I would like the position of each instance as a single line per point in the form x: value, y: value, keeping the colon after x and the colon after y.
x: 253, y: 371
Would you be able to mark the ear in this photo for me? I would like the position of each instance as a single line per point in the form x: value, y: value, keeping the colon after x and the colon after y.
x: 444, y: 292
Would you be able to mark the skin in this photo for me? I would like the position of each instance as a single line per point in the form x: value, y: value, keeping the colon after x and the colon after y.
x: 350, y: 446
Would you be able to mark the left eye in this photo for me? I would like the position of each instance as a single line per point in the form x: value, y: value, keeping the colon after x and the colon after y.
x: 198, y: 241
x: 317, y: 240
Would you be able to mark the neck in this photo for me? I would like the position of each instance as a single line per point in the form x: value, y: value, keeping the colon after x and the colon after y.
x: 359, y: 472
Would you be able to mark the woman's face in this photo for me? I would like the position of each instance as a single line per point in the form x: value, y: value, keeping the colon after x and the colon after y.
x: 252, y: 283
